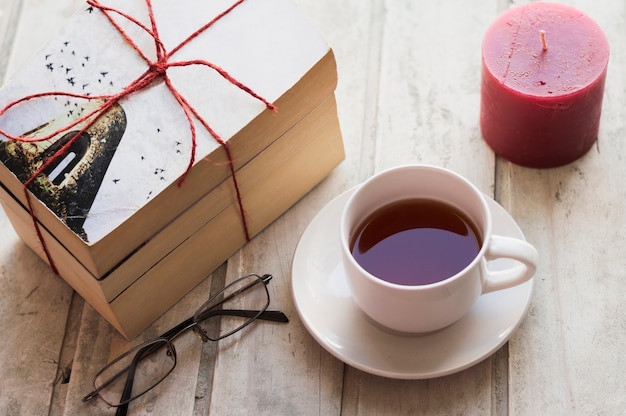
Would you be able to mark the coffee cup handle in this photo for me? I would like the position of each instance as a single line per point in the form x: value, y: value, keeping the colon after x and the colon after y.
x: 512, y: 248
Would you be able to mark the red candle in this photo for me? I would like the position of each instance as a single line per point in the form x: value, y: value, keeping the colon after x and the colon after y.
x: 543, y: 72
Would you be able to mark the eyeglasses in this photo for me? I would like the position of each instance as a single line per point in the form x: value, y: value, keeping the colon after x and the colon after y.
x: 135, y: 372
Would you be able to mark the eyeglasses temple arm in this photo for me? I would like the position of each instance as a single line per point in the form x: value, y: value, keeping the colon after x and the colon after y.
x: 128, y: 386
x: 186, y: 324
x: 122, y: 409
x: 275, y: 316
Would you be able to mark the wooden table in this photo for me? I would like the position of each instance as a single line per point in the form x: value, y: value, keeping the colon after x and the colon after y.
x: 409, y: 92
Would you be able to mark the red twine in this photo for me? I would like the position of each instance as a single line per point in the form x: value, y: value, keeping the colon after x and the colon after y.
x: 156, y: 69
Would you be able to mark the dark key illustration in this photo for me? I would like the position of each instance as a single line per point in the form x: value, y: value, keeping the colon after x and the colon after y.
x: 70, y: 184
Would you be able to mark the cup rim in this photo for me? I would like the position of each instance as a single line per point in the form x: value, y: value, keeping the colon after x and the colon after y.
x: 345, y: 234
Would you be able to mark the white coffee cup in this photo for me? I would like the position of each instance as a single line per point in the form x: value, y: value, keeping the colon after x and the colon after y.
x: 429, y: 307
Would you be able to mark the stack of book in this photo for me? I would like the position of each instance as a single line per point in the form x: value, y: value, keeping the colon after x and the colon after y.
x: 135, y: 200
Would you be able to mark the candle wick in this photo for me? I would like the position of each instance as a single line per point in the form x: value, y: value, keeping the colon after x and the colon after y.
x: 544, y: 43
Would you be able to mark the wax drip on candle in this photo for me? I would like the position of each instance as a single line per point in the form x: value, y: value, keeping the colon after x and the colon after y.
x: 544, y: 43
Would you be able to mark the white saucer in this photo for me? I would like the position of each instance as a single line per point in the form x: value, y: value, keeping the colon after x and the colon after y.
x: 323, y: 301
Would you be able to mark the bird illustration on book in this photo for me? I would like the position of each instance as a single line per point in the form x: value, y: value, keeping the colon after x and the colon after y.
x: 70, y: 184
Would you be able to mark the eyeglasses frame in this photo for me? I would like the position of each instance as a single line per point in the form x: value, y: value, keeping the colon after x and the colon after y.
x: 192, y: 323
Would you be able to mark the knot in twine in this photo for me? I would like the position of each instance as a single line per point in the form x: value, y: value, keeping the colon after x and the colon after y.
x: 156, y: 69
x: 159, y: 68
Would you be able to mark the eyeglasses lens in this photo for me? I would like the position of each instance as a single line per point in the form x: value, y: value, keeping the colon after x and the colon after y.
x: 237, y: 305
x: 146, y: 365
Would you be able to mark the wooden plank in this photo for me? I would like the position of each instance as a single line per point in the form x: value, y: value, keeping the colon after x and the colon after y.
x: 427, y: 112
x: 34, y: 308
x: 428, y: 106
x: 568, y: 357
x: 66, y: 356
x: 465, y: 393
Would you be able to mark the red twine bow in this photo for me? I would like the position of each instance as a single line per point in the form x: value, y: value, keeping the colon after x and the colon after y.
x: 156, y: 69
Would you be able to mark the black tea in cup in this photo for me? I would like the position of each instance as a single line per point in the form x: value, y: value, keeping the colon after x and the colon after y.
x: 415, y: 242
